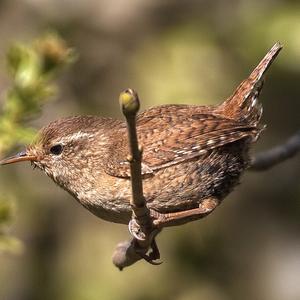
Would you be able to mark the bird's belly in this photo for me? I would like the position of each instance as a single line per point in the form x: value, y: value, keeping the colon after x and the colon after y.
x: 184, y: 186
x: 108, y: 207
x: 176, y: 188
x: 120, y: 215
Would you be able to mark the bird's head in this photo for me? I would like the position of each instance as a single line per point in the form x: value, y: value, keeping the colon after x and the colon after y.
x: 67, y: 149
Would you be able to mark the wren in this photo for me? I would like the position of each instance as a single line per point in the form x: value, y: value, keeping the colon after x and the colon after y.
x: 193, y: 155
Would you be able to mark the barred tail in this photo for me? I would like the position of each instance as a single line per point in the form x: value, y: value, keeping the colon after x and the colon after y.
x: 243, y: 105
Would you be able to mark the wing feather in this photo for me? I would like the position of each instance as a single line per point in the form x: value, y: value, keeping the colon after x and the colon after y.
x: 173, y: 134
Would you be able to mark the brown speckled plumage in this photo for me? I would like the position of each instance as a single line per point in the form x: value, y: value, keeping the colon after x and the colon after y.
x: 191, y: 153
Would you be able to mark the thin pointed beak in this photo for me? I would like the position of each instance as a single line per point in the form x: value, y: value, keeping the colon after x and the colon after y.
x: 22, y: 156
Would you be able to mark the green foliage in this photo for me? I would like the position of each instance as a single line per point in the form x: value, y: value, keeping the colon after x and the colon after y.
x: 7, y: 212
x: 32, y: 67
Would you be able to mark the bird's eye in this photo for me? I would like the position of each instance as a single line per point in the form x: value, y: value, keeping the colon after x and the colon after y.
x: 56, y: 149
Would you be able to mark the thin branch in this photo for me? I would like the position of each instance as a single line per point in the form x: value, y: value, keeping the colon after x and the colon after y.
x: 141, y: 226
x: 276, y: 155
x: 130, y: 105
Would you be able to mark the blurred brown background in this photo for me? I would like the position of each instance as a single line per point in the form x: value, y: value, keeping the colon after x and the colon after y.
x: 170, y: 51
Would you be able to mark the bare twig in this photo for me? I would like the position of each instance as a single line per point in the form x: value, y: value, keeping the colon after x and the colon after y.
x: 141, y: 225
x: 276, y: 155
x: 130, y: 105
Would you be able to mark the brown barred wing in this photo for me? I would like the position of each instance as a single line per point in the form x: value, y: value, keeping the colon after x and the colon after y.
x: 172, y: 134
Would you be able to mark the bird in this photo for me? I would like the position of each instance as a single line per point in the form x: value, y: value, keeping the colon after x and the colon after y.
x: 193, y: 155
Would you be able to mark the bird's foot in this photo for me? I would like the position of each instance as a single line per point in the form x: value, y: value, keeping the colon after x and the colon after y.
x: 153, y: 256
x: 136, y: 231
x: 147, y: 238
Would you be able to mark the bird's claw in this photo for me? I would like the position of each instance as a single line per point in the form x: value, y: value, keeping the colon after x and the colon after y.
x: 153, y: 255
x: 135, y: 230
x: 148, y: 258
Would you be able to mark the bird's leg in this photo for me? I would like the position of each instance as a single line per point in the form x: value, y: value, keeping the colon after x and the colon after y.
x: 176, y: 218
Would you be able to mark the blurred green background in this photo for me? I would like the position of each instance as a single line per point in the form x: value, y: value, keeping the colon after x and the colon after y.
x: 170, y: 51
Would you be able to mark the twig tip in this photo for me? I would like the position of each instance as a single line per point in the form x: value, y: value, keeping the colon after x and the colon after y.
x: 129, y: 102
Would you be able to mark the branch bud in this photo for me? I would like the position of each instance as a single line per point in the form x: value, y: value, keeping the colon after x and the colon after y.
x: 129, y: 102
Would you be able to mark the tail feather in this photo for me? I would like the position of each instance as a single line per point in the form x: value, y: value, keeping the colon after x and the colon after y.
x: 243, y: 104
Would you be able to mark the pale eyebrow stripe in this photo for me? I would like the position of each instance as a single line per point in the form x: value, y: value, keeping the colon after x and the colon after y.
x: 74, y: 137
